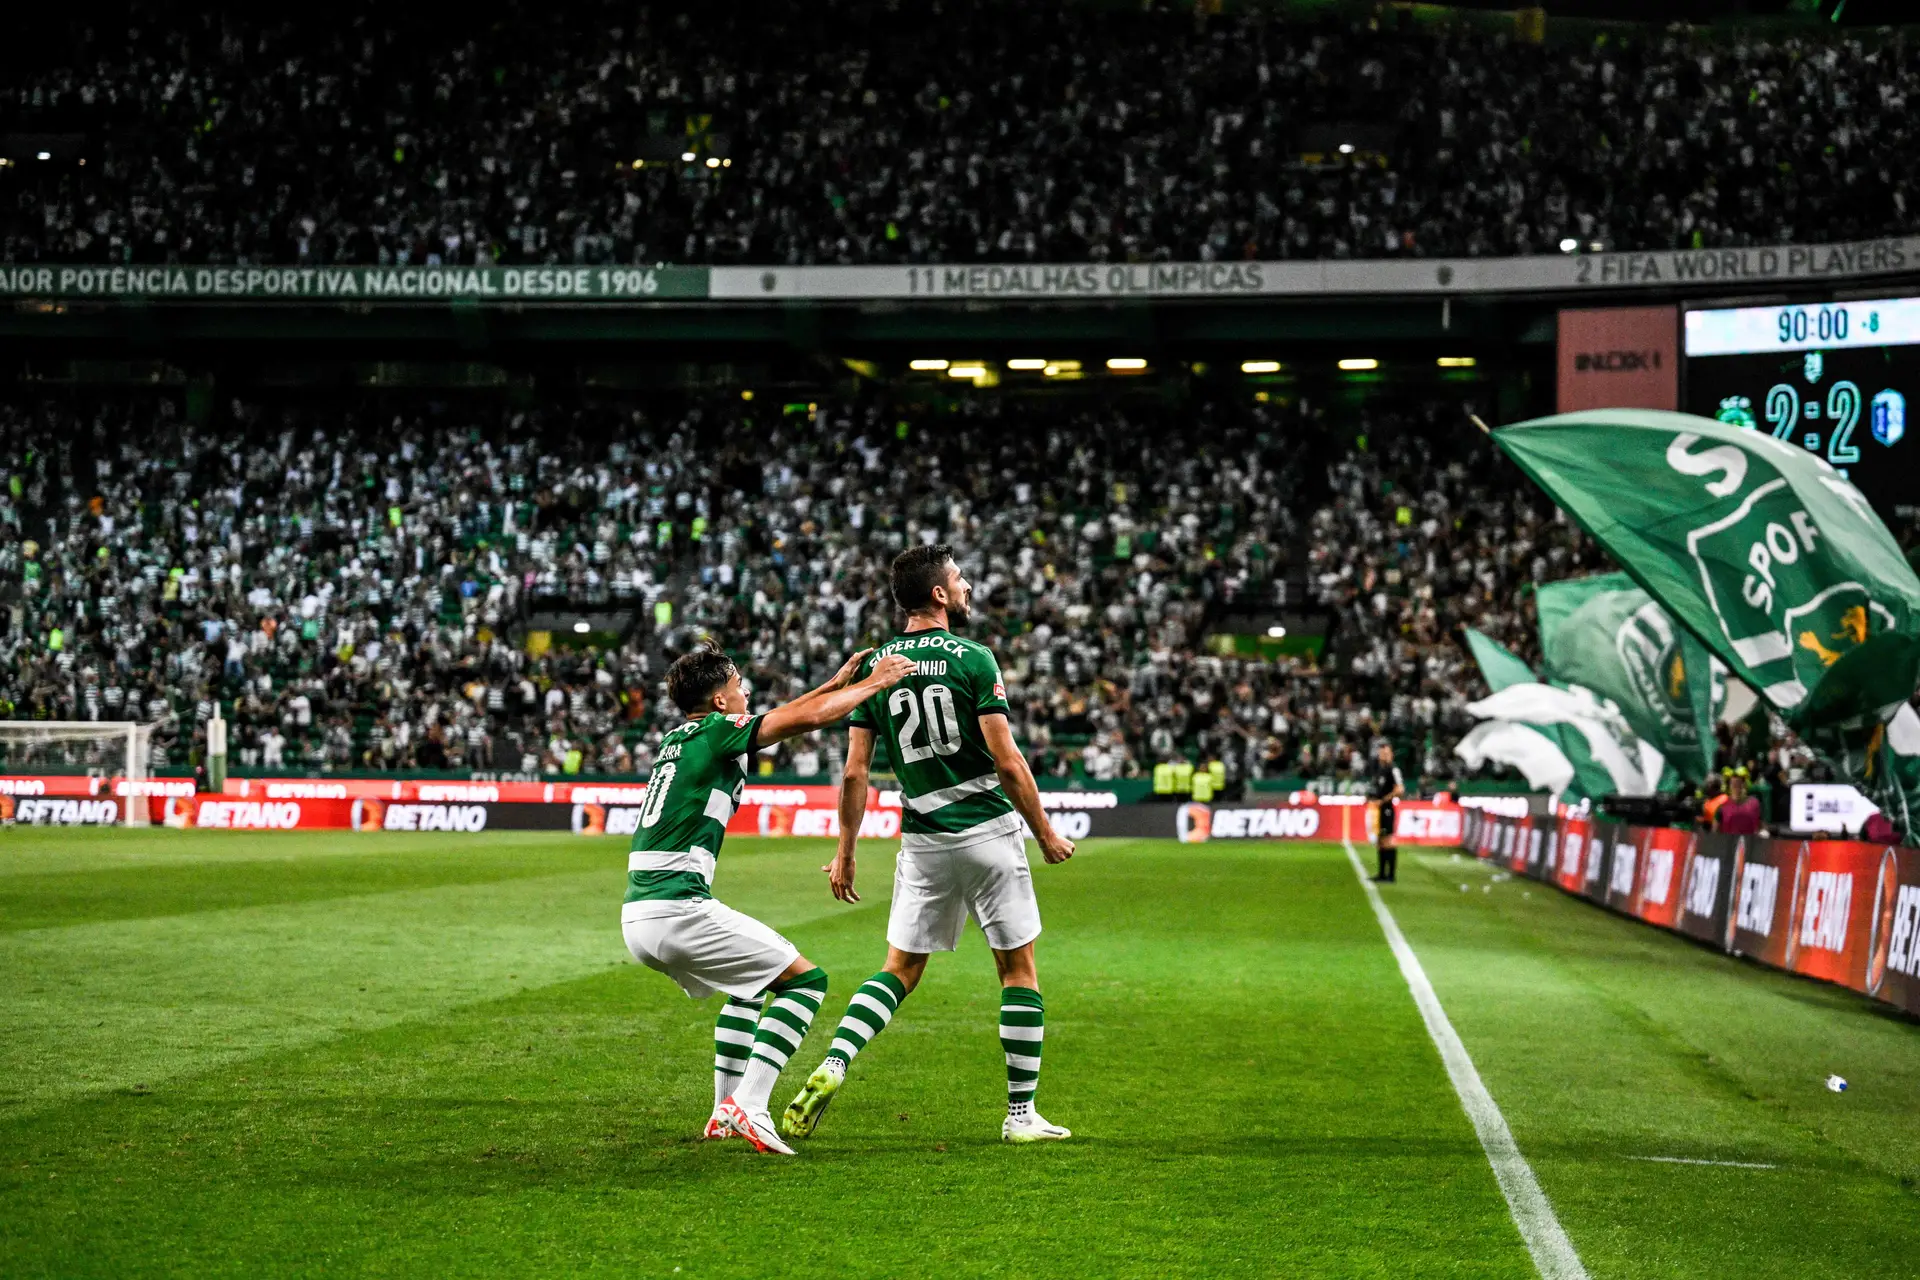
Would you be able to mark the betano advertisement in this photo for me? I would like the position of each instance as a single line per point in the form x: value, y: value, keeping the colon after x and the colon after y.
x: 1842, y: 911
x: 618, y: 809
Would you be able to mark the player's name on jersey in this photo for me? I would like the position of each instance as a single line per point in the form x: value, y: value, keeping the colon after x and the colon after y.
x: 942, y: 640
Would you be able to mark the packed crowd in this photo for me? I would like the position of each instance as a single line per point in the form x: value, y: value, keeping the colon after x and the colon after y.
x: 353, y: 585
x: 850, y: 131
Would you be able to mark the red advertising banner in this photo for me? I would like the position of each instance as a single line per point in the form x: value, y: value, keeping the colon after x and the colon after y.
x: 1428, y: 822
x: 55, y: 784
x: 1841, y: 911
x: 1834, y: 907
x: 1893, y: 952
x: 1570, y: 872
x: 1663, y: 854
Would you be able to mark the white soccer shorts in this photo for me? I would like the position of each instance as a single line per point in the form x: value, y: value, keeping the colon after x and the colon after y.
x: 706, y: 946
x: 935, y: 890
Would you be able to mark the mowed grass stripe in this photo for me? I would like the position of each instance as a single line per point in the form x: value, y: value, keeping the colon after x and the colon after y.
x: 1252, y: 1093
x: 1604, y: 1039
x: 131, y: 1001
x: 50, y: 878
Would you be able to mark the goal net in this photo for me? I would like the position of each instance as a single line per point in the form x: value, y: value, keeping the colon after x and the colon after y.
x: 117, y: 749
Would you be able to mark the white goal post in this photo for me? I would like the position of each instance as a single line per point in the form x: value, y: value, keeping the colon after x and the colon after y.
x: 117, y: 749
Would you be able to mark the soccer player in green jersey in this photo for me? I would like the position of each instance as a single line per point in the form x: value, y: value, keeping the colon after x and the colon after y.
x: 672, y: 922
x: 968, y: 801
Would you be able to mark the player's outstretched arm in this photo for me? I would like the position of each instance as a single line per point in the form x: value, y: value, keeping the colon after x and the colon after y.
x: 841, y: 679
x: 829, y: 704
x: 853, y: 807
x: 1017, y: 780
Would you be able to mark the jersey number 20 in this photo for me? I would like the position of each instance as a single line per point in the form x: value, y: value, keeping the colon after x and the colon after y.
x: 942, y: 723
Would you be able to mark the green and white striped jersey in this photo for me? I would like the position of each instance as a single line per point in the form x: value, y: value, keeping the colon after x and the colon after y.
x: 698, y: 775
x: 930, y: 722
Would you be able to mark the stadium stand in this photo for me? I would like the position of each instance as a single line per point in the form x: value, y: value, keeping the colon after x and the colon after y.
x: 839, y: 132
x: 350, y: 574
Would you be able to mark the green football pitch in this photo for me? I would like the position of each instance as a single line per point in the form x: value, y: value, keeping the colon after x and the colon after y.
x: 430, y: 1055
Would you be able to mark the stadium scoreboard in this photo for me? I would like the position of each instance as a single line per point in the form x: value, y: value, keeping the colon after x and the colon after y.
x: 1834, y: 378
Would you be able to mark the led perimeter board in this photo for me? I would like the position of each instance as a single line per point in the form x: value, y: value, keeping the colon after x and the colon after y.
x: 1834, y: 378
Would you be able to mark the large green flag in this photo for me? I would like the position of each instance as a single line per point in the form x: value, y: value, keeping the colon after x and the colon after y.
x: 1763, y: 551
x: 1577, y: 746
x: 1499, y: 665
x: 1606, y: 634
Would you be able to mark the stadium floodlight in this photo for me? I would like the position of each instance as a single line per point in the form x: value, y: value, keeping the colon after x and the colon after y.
x: 1359, y: 364
x: 44, y: 155
x: 1346, y: 148
x: 1025, y: 363
x: 927, y: 366
x: 1126, y: 364
x: 1598, y: 246
x: 687, y: 156
x: 1259, y: 366
x: 1569, y: 245
x: 1276, y: 633
x: 713, y: 162
x: 967, y: 371
x: 119, y: 750
x: 727, y: 162
x: 1456, y: 362
x: 639, y: 164
x: 582, y: 627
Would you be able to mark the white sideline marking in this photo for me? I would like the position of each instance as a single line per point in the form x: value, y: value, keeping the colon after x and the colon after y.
x: 1723, y: 1164
x: 1552, y: 1252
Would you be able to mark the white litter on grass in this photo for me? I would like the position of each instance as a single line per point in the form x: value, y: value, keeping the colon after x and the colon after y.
x: 1837, y: 1083
x: 1723, y: 1164
x: 1466, y: 888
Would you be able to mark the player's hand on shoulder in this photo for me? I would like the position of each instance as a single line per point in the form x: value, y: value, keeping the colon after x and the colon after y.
x: 848, y: 669
x: 891, y: 670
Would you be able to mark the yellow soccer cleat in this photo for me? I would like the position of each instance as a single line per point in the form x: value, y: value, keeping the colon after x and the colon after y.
x: 803, y: 1113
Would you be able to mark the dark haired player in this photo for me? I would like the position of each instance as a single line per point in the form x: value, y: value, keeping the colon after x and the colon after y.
x: 672, y: 922
x: 963, y: 852
x: 1388, y: 786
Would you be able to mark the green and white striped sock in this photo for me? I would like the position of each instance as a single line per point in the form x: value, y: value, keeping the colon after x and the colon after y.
x: 732, y: 1044
x: 782, y: 1027
x: 868, y: 1014
x: 1022, y: 1032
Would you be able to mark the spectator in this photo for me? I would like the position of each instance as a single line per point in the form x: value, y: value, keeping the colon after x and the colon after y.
x: 838, y: 133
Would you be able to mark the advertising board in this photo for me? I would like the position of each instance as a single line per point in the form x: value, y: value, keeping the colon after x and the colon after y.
x: 1841, y: 911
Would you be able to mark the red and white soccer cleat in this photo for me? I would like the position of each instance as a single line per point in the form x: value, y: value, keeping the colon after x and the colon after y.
x: 755, y: 1129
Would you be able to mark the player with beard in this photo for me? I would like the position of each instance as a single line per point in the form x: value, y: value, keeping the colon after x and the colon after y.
x: 968, y: 800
